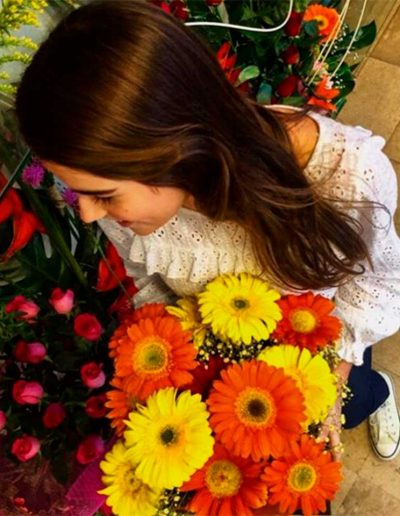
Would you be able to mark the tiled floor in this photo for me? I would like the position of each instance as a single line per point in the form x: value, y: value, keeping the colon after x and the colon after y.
x: 372, y: 487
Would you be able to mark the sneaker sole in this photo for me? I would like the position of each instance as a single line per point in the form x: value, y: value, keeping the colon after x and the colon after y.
x: 388, y: 379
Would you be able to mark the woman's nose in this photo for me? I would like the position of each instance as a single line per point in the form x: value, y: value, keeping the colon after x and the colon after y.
x: 89, y: 211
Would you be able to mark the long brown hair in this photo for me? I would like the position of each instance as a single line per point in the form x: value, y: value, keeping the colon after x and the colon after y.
x: 123, y: 90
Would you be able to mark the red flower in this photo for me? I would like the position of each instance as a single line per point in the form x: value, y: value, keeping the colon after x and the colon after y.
x: 292, y: 28
x: 95, y: 406
x: 25, y: 447
x: 291, y: 55
x: 61, y: 301
x: 179, y: 10
x: 54, y: 415
x: 163, y: 5
x: 227, y: 64
x: 31, y: 352
x: 203, y: 377
x: 87, y: 326
x: 26, y: 307
x: 24, y: 225
x: 288, y: 86
x: 90, y: 449
x: 214, y: 3
x: 27, y: 393
x: 92, y: 375
x: 111, y: 270
x: 3, y: 420
x: 122, y: 306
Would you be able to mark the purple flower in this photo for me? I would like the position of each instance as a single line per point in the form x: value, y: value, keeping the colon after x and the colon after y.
x: 33, y: 174
x: 70, y: 197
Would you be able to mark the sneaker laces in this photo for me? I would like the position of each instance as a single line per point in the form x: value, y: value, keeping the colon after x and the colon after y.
x: 383, y: 424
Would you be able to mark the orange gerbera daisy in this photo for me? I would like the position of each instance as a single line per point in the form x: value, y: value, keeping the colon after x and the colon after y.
x: 155, y: 353
x: 256, y: 410
x: 120, y: 404
x: 327, y: 18
x: 305, y: 479
x: 147, y: 311
x: 226, y: 486
x: 306, y: 321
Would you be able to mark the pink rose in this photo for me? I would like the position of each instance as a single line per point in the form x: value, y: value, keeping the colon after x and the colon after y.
x: 31, y: 352
x: 54, y: 415
x: 61, y: 301
x: 90, y: 449
x: 92, y: 375
x: 27, y: 393
x: 87, y: 326
x: 25, y: 447
x: 28, y: 309
x: 3, y: 420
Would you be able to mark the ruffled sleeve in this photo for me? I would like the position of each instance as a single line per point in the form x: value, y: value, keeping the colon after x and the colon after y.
x: 369, y: 304
x: 151, y: 287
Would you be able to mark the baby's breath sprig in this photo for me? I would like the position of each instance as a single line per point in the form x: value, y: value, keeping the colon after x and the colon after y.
x: 229, y: 351
x: 172, y: 503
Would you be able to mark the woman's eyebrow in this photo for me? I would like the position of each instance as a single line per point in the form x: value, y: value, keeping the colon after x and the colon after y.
x: 95, y: 192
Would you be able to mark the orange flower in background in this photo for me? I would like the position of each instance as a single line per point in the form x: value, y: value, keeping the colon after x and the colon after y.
x: 304, y: 479
x: 256, y: 410
x: 149, y: 311
x: 306, y: 321
x: 227, y: 63
x: 155, y: 353
x: 226, y: 486
x: 25, y: 223
x: 327, y: 18
x: 323, y: 93
x: 120, y: 404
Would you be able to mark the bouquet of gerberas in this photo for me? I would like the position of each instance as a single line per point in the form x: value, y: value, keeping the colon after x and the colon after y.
x: 218, y: 400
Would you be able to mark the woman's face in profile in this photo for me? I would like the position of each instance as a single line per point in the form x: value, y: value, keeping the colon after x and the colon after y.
x: 140, y: 207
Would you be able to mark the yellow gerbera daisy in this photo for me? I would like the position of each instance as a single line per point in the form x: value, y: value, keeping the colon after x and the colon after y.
x: 312, y: 374
x: 126, y: 494
x: 240, y: 307
x: 170, y: 438
x: 187, y: 311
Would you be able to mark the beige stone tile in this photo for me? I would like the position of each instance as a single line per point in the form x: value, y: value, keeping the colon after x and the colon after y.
x: 356, y: 447
x: 374, y: 103
x: 392, y: 147
x: 366, y: 498
x: 396, y: 165
x: 349, y: 477
x: 388, y: 44
x: 386, y: 355
x: 383, y: 474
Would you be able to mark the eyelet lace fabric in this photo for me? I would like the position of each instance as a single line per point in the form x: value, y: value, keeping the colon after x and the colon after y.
x: 348, y: 164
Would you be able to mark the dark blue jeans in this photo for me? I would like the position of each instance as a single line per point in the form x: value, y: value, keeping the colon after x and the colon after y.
x: 369, y: 391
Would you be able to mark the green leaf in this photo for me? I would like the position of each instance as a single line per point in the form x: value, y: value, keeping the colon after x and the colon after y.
x: 59, y: 468
x: 311, y: 28
x: 293, y: 101
x: 365, y: 36
x: 264, y: 93
x: 248, y: 73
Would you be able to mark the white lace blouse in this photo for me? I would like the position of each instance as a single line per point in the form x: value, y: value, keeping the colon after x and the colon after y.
x: 190, y: 250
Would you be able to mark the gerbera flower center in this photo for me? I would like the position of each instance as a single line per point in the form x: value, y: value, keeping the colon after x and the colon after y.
x: 322, y: 21
x: 302, y: 477
x: 223, y: 478
x: 168, y: 436
x: 240, y: 303
x: 303, y: 320
x: 255, y: 408
x: 128, y: 481
x: 151, y: 356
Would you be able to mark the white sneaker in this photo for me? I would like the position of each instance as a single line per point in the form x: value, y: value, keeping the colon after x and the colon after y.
x: 384, y: 425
